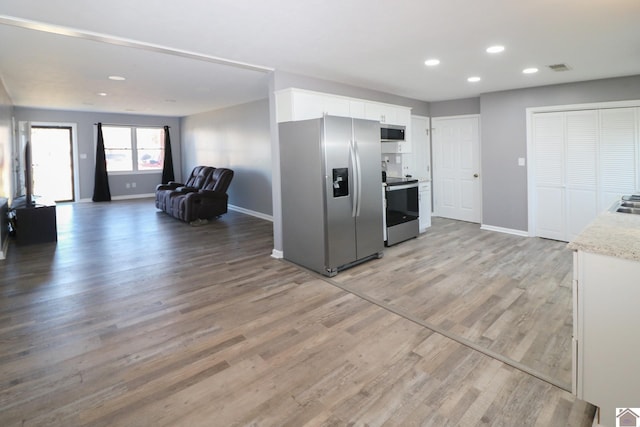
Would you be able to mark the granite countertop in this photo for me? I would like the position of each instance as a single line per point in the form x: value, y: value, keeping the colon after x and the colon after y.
x: 611, y: 233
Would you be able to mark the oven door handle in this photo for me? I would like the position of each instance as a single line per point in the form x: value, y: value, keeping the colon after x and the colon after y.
x: 400, y: 187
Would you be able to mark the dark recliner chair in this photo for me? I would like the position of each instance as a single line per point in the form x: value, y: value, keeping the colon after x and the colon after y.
x: 196, y: 180
x: 197, y: 207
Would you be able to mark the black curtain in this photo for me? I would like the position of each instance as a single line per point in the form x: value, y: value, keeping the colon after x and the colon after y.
x: 101, y: 192
x: 167, y: 169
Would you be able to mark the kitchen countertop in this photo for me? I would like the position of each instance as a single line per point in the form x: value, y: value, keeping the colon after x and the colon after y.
x: 611, y: 233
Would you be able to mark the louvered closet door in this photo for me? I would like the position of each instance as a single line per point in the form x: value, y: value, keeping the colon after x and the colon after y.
x: 618, y: 154
x: 584, y: 161
x: 581, y: 202
x: 548, y: 134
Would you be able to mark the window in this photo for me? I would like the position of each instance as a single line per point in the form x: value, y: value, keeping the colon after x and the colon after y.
x: 133, y: 149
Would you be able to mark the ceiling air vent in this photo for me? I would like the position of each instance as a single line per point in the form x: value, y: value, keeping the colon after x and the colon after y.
x: 559, y: 67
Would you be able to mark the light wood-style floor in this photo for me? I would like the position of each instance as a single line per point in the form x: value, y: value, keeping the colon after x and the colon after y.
x: 136, y: 319
x: 508, y: 294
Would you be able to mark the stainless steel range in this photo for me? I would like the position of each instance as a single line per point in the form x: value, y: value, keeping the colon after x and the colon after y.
x: 401, y: 211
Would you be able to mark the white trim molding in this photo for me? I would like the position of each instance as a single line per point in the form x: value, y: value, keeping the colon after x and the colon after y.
x: 504, y: 230
x: 277, y: 254
x: 250, y: 212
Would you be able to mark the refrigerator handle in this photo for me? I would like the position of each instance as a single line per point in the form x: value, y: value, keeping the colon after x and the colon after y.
x: 354, y: 193
x: 359, y: 177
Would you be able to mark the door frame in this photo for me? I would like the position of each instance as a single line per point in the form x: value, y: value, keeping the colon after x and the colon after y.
x: 74, y: 148
x: 531, y: 176
x: 479, y: 159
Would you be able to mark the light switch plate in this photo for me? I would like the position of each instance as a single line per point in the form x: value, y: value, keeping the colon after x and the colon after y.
x: 521, y: 161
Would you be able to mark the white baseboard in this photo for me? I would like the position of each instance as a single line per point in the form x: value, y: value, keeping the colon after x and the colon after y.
x: 250, y: 212
x: 134, y: 196
x: 504, y: 230
x: 277, y: 254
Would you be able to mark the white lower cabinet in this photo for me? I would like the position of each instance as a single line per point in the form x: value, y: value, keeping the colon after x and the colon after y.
x: 606, y: 333
x: 424, y: 200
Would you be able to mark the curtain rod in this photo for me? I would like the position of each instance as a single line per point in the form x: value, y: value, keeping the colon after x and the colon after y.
x: 130, y: 125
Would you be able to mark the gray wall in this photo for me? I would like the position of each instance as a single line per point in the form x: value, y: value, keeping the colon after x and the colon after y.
x: 145, y: 183
x: 455, y: 107
x: 237, y: 138
x: 504, y: 139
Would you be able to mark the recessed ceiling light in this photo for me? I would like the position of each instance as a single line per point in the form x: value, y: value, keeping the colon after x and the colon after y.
x: 473, y: 79
x: 431, y: 62
x: 530, y: 70
x: 102, y: 94
x: 117, y: 78
x: 495, y: 49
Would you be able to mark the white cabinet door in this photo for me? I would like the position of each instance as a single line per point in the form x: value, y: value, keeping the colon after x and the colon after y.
x: 356, y: 109
x: 293, y: 104
x: 387, y: 114
x: 336, y: 106
x: 379, y: 112
x: 424, y: 198
x: 396, y: 147
x: 403, y: 116
x: 607, y: 335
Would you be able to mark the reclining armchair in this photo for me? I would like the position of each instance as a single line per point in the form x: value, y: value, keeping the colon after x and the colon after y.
x: 196, y: 180
x: 210, y: 201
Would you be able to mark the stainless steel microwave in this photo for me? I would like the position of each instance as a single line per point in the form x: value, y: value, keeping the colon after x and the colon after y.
x: 391, y: 133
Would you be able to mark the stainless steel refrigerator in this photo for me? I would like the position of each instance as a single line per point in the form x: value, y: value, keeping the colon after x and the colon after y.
x: 332, y: 208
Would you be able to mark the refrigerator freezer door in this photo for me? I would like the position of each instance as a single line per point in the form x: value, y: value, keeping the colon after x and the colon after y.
x: 302, y: 184
x: 340, y: 222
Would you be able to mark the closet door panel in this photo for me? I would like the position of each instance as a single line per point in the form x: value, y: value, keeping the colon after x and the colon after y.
x: 618, y: 151
x: 548, y: 129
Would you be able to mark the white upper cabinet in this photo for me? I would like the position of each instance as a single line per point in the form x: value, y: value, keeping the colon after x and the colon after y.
x: 292, y: 105
x: 297, y: 104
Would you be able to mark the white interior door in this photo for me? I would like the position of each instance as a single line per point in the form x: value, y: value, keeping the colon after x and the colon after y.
x: 456, y: 168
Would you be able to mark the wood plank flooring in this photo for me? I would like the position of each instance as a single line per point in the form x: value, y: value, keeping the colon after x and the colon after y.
x: 508, y: 294
x: 136, y: 319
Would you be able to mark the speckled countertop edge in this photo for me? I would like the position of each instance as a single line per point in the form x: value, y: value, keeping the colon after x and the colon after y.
x: 613, y: 234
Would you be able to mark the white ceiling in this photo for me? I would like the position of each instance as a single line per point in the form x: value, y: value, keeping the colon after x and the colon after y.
x: 167, y: 50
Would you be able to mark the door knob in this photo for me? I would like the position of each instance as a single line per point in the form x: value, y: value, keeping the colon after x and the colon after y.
x: 475, y: 175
